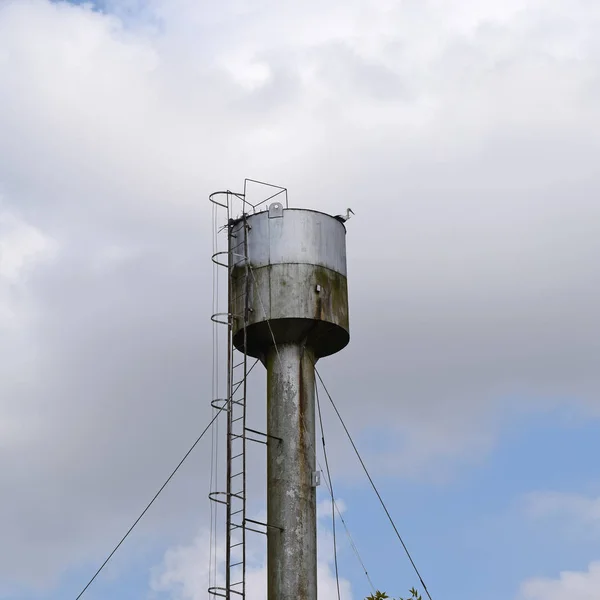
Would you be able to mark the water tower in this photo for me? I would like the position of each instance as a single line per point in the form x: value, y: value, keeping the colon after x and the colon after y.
x: 287, y: 307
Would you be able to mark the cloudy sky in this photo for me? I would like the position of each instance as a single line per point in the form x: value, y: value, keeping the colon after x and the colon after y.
x: 465, y: 135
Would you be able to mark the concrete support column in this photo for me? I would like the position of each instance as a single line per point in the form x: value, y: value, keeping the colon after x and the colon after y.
x: 291, y: 495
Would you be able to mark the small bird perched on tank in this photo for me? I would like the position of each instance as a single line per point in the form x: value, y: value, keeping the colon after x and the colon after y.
x: 344, y: 218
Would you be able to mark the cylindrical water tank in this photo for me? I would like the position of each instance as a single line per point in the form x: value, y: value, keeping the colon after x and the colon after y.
x: 295, y: 280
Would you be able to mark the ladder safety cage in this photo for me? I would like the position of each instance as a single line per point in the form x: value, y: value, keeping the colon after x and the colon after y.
x: 234, y: 498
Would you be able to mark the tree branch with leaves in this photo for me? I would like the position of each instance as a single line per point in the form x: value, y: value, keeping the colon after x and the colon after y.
x: 414, y: 595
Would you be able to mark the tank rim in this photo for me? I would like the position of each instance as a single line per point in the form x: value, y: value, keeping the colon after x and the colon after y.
x: 233, y: 222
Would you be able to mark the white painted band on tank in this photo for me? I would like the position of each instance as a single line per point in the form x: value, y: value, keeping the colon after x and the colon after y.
x: 294, y: 236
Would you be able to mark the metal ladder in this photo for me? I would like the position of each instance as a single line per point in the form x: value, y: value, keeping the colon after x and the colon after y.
x: 234, y: 498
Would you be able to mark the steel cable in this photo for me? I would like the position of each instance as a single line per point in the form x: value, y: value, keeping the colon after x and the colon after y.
x: 335, y: 558
x: 162, y: 487
x: 387, y: 512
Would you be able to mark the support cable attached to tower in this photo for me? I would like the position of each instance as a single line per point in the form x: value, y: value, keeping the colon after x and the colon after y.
x: 162, y: 487
x: 330, y: 487
x: 387, y: 512
x: 352, y: 544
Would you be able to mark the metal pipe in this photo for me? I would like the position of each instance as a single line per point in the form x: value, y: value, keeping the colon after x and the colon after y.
x: 291, y: 496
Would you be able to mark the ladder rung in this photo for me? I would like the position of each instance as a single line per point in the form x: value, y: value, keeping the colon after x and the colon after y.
x: 237, y: 456
x: 236, y: 545
x: 237, y: 564
x: 237, y: 474
x: 237, y: 419
x: 237, y: 512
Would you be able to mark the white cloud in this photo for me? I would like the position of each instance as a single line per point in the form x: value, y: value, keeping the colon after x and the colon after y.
x: 186, y: 573
x: 577, y: 515
x: 580, y: 514
x: 571, y: 584
x: 21, y: 247
x: 324, y: 508
x: 576, y: 506
x: 463, y: 134
x: 186, y: 570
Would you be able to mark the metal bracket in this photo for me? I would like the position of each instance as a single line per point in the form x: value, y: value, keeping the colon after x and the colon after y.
x: 275, y: 210
x: 261, y: 524
x: 316, y: 478
x: 272, y: 437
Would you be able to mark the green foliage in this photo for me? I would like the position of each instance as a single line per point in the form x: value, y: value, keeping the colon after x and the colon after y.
x: 414, y: 595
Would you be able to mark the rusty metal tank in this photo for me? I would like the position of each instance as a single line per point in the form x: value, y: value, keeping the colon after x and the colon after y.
x: 294, y: 277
